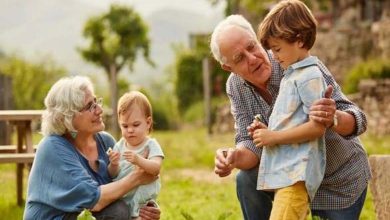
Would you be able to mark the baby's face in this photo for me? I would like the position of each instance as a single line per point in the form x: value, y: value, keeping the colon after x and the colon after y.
x: 134, y: 126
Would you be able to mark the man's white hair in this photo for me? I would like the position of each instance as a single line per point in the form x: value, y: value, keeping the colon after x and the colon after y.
x: 62, y: 102
x: 232, y: 20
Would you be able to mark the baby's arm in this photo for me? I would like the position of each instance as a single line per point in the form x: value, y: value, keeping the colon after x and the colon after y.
x: 151, y: 166
x: 305, y: 132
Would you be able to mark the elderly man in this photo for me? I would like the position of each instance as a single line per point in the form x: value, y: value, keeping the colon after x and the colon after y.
x: 252, y: 88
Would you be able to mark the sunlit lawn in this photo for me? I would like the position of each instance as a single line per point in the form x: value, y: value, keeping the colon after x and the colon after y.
x: 190, y: 190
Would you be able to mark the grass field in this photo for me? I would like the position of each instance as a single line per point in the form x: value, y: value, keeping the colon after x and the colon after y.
x: 190, y: 189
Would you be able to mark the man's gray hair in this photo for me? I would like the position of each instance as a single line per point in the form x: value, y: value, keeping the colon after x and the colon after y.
x: 232, y: 20
x: 64, y: 100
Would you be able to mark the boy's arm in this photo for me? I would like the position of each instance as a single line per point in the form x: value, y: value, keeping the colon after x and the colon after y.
x: 151, y: 166
x: 302, y: 133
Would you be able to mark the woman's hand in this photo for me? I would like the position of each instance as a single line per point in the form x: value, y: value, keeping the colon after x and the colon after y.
x: 324, y: 110
x: 143, y: 177
x: 149, y: 212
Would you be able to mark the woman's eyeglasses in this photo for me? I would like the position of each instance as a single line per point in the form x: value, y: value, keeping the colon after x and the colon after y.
x: 91, y: 107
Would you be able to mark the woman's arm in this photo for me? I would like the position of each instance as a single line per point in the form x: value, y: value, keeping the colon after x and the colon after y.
x: 115, y: 190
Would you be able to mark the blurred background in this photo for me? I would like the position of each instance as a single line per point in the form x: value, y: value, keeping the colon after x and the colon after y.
x: 160, y: 47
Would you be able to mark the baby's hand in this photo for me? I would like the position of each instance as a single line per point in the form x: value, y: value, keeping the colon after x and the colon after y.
x: 131, y: 156
x: 113, y: 156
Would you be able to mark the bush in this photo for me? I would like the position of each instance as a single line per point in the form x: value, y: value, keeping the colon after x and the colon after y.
x: 371, y: 69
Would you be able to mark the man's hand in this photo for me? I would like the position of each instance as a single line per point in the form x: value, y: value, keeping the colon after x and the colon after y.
x: 223, y: 167
x: 149, y: 212
x: 323, y: 110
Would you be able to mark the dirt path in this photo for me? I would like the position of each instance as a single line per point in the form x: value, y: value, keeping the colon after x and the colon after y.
x: 199, y: 175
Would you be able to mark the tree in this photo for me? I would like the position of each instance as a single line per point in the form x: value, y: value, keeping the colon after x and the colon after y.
x: 115, y: 38
x: 30, y: 81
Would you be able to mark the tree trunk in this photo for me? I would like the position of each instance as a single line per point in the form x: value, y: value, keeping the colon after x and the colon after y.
x: 114, y: 100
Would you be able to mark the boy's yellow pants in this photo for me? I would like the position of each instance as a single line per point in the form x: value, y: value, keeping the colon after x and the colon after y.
x: 290, y: 203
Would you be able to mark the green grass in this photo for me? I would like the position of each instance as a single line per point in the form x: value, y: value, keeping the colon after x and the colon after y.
x: 190, y: 189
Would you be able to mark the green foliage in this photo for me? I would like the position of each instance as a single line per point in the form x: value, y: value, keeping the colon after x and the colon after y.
x: 85, y: 215
x: 253, y: 10
x: 165, y: 114
x: 189, y: 77
x: 371, y: 69
x: 195, y: 113
x: 189, y: 85
x: 188, y: 182
x: 115, y: 40
x: 30, y: 81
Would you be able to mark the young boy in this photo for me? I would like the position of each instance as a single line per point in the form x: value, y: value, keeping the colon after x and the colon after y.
x: 135, y: 121
x: 289, y: 166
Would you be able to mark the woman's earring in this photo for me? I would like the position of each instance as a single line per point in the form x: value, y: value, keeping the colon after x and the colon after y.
x: 73, y: 134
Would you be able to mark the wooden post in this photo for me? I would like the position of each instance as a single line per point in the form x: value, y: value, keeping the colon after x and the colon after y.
x: 207, y: 93
x: 5, y: 104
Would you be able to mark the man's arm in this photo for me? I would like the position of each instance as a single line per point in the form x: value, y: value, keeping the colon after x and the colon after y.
x: 228, y: 159
x: 352, y: 120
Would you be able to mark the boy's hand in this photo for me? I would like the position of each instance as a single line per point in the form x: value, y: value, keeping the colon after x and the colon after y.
x: 256, y: 124
x: 131, y: 156
x: 264, y: 137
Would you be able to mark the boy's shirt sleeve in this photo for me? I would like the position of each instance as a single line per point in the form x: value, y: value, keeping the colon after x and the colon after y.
x: 311, y: 90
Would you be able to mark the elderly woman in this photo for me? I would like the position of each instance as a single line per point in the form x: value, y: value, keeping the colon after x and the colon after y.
x: 70, y: 168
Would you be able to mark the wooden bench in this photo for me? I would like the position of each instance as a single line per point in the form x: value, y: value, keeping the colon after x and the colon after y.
x: 17, y: 157
x: 11, y: 148
x: 20, y: 159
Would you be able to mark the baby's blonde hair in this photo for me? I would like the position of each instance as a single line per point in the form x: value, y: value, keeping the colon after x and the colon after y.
x: 135, y: 98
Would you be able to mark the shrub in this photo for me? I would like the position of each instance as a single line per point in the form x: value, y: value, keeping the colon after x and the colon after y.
x: 371, y: 69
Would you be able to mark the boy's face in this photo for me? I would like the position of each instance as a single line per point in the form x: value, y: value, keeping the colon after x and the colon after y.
x: 134, y: 126
x: 287, y: 53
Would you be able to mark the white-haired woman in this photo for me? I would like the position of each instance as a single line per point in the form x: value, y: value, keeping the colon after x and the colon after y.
x: 69, y: 172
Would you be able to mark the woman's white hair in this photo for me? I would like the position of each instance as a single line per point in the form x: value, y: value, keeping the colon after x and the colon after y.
x: 64, y: 99
x: 232, y: 20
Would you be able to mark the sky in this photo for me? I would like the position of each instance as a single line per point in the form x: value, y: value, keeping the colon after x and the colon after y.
x: 37, y: 28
